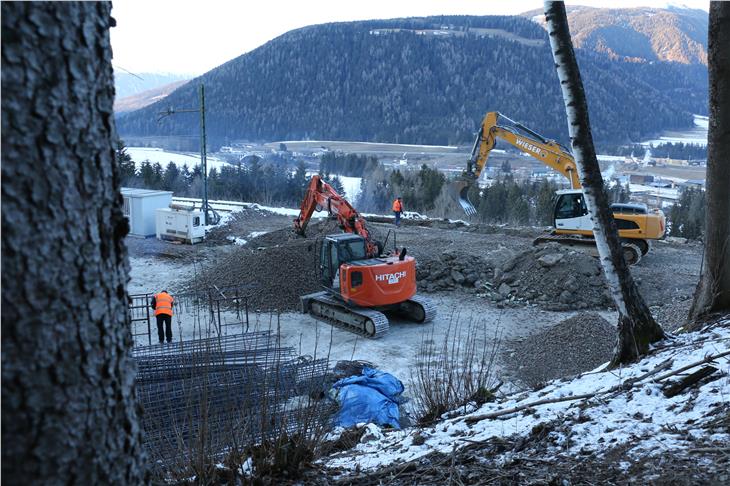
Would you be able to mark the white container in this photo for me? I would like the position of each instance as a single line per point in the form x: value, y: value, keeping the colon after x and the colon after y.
x: 139, y: 208
x: 180, y: 224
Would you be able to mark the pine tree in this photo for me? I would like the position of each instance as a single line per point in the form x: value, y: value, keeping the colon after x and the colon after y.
x: 127, y: 169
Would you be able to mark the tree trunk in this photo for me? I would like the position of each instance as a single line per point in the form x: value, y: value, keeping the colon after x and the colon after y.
x: 636, y: 327
x: 713, y: 291
x: 69, y: 413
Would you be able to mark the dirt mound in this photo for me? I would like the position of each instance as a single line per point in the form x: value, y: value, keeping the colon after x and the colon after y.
x: 552, y: 276
x: 280, y: 266
x: 277, y: 275
x: 243, y: 222
x: 575, y: 345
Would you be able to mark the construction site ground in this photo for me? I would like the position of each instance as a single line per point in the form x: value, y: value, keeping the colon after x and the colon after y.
x: 481, y: 277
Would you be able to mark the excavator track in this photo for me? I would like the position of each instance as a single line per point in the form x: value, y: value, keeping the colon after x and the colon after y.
x: 632, y: 252
x: 367, y: 322
x: 418, y: 309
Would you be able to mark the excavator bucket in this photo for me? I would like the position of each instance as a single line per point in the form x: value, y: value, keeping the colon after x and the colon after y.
x: 459, y: 190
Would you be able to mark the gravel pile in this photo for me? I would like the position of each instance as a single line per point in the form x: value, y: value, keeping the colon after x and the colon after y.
x: 243, y: 222
x: 672, y: 315
x: 552, y: 276
x: 278, y: 275
x: 575, y: 345
x: 452, y: 270
x: 280, y: 266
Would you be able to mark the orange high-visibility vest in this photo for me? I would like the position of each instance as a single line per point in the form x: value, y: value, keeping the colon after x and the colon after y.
x: 163, y: 304
x: 397, y: 206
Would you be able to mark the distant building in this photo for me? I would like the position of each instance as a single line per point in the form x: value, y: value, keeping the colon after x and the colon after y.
x: 641, y: 179
x: 693, y: 184
x: 661, y: 183
x: 140, y: 206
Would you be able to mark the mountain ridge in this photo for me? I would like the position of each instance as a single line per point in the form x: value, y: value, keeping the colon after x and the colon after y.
x: 640, y: 34
x: 390, y: 81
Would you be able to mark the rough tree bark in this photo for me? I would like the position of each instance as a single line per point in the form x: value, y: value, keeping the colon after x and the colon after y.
x: 636, y: 326
x: 713, y: 291
x: 69, y: 413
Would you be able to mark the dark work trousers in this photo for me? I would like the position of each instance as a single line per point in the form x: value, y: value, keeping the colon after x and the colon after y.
x: 397, y: 218
x: 167, y: 320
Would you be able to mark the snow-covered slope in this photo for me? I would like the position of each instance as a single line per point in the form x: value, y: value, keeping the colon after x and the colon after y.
x: 163, y: 157
x: 591, y: 414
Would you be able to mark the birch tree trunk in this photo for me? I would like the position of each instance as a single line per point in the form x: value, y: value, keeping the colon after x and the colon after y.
x: 69, y: 413
x: 713, y: 291
x: 636, y: 326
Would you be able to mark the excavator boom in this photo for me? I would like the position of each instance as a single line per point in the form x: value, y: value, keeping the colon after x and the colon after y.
x: 497, y: 126
x: 321, y: 196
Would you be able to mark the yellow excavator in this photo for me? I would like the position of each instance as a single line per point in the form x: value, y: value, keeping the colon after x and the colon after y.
x: 572, y: 225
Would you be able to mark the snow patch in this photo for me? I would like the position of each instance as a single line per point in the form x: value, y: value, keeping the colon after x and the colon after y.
x: 163, y: 157
x: 236, y: 240
x: 641, y: 417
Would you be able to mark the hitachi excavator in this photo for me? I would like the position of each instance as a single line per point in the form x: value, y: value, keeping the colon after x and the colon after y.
x: 360, y: 283
x: 572, y: 225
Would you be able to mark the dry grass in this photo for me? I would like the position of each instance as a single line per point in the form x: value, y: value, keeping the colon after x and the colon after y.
x: 456, y: 371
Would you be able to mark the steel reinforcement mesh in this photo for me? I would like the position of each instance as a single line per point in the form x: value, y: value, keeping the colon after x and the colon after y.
x: 209, y: 396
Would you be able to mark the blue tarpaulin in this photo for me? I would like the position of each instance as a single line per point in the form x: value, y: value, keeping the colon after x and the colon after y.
x: 369, y: 398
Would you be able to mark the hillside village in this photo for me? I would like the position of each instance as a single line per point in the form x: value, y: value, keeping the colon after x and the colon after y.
x: 375, y: 261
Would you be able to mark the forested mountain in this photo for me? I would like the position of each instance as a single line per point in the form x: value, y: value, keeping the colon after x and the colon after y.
x: 639, y: 34
x: 427, y: 80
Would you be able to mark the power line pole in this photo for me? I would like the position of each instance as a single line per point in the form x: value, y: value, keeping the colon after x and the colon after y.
x: 203, y: 154
x: 203, y: 151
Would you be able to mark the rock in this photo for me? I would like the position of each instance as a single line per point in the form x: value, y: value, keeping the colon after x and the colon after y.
x: 470, y: 278
x: 549, y: 260
x: 504, y: 290
x: 587, y: 266
x: 509, y: 265
x: 372, y: 433
x: 448, y: 255
x: 457, y: 276
x: 566, y: 297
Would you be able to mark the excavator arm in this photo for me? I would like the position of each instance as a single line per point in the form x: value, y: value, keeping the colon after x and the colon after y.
x: 320, y: 196
x: 497, y: 126
x: 549, y: 152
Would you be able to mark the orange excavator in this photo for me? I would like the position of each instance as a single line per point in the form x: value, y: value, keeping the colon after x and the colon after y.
x: 360, y: 283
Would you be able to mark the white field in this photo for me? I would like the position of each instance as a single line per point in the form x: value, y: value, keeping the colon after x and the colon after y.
x: 163, y: 157
x: 696, y: 135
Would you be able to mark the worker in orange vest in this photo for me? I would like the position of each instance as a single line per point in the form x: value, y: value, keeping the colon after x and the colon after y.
x: 162, y: 304
x: 397, y: 210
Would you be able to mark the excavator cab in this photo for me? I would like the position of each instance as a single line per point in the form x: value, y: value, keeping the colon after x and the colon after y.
x: 570, y: 205
x: 336, y: 250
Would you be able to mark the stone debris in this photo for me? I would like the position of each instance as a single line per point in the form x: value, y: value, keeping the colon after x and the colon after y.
x: 578, y: 344
x: 551, y: 276
x: 451, y: 270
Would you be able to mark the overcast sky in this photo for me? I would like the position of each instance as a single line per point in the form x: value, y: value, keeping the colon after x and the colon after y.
x: 193, y: 37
